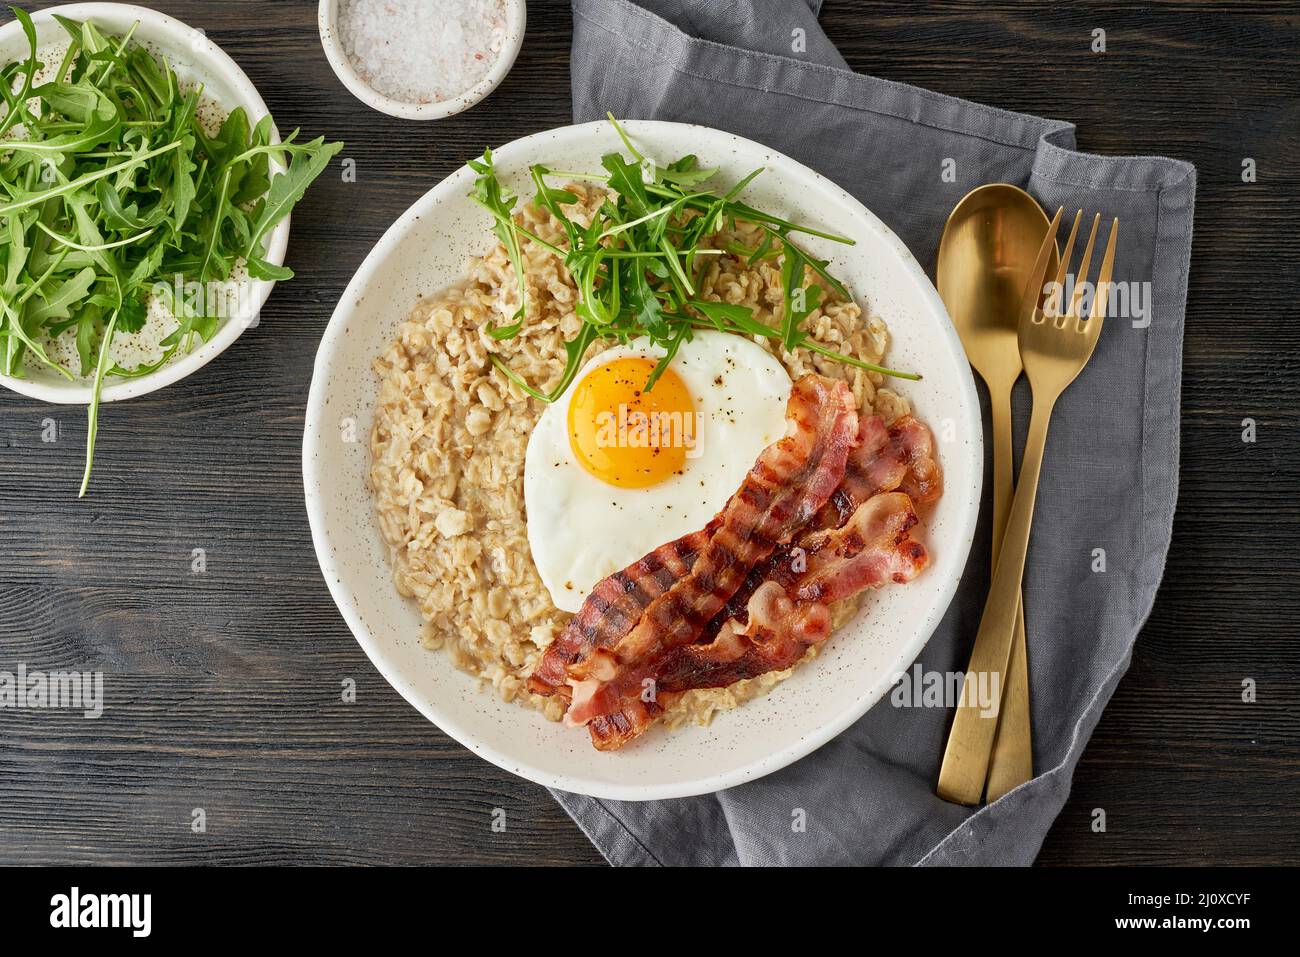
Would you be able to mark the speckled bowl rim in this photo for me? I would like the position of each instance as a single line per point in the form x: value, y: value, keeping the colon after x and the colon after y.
x: 209, y: 58
x: 318, y: 430
x: 326, y: 20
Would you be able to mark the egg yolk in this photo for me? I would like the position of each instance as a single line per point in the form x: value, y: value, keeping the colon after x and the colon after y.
x: 627, y: 436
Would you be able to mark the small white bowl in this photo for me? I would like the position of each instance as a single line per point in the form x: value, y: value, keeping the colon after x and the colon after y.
x: 327, y: 21
x: 194, y: 58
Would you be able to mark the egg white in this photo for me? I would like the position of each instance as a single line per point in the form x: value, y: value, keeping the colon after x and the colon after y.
x: 581, y: 529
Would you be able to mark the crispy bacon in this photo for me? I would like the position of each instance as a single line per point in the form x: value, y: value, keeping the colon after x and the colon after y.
x: 609, y: 732
x: 788, y: 484
x: 614, y: 607
x: 776, y: 636
x: 870, y: 469
x: 885, y: 459
x: 898, y: 457
x: 880, y: 462
x: 910, y: 441
x: 882, y: 459
x: 872, y: 548
x: 784, y: 617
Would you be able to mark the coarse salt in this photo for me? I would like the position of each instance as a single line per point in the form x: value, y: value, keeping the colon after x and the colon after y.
x: 422, y: 51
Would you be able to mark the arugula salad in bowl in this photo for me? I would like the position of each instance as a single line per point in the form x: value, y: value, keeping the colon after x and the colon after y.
x: 145, y: 195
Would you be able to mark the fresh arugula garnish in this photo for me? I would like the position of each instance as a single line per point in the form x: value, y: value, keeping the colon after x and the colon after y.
x: 501, y: 204
x: 111, y: 190
x: 637, y: 264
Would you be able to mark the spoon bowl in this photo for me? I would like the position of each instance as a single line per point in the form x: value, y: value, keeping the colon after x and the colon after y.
x: 985, y: 257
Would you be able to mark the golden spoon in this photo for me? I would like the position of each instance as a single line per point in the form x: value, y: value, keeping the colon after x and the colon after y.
x: 985, y: 257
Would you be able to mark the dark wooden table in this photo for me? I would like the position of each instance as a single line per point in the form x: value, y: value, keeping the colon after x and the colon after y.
x: 223, y: 688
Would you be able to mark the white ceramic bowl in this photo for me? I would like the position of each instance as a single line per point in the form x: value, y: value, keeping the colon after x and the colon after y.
x: 327, y: 22
x: 195, y: 58
x: 425, y: 250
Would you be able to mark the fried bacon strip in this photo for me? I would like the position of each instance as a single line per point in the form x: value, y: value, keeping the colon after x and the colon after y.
x: 910, y: 441
x: 614, y: 607
x: 870, y: 469
x: 898, y: 457
x: 778, y: 633
x: 788, y: 484
x: 874, y: 547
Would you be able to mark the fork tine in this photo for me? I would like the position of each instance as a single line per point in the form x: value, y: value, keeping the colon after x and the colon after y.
x: 1055, y: 303
x: 1081, y: 276
x: 1102, y: 289
x: 1034, y: 287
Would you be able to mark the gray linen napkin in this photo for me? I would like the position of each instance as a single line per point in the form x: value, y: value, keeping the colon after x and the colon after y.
x: 1111, y: 474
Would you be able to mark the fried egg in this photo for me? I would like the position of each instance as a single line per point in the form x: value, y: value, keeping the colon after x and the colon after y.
x: 613, y: 471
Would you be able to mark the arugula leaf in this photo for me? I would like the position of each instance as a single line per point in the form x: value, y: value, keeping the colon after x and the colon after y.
x: 794, y: 296
x: 625, y: 179
x: 18, y: 102
x: 685, y: 172
x: 683, y: 333
x: 77, y: 103
x: 116, y: 215
x: 59, y: 303
x: 212, y: 264
x: 505, y: 332
x: 131, y: 317
x: 259, y: 268
x: 92, y: 412
x: 289, y: 187
x: 98, y: 130
x: 728, y: 317
x: 489, y: 194
x: 183, y: 191
x: 554, y: 200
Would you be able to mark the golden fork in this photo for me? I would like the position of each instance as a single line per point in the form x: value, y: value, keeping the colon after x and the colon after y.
x: 1055, y: 347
